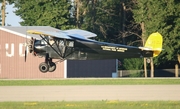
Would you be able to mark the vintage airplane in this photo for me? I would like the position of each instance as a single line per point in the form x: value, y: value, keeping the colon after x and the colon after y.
x: 76, y: 44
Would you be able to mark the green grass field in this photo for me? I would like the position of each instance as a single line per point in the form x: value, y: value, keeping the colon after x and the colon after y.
x: 92, y: 105
x: 93, y: 81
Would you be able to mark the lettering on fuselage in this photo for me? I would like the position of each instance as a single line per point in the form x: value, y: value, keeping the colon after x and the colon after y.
x: 116, y: 49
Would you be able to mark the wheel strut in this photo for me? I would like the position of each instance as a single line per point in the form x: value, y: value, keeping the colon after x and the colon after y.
x: 48, y: 65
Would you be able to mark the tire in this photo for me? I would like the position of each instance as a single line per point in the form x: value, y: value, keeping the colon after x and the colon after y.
x: 52, y: 67
x: 43, y: 67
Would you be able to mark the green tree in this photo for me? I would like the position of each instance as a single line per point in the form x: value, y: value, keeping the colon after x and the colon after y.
x: 103, y: 17
x: 110, y: 20
x: 133, y: 64
x: 153, y: 16
x: 161, y: 16
x: 8, y: 1
x: 171, y: 33
x: 44, y: 13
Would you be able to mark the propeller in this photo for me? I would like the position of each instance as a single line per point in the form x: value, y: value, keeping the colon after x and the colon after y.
x: 26, y: 46
x: 25, y: 52
x: 29, y: 47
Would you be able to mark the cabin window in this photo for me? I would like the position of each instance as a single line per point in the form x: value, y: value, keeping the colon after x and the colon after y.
x: 43, y: 42
x: 66, y: 42
x: 70, y: 43
x: 51, y: 41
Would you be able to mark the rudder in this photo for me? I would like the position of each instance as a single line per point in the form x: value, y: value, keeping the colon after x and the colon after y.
x: 154, y: 42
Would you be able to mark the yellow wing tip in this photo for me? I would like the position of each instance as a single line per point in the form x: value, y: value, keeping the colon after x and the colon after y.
x: 33, y: 32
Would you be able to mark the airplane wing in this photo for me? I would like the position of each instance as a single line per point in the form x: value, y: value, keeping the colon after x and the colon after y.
x: 80, y: 33
x: 65, y: 34
x: 50, y: 33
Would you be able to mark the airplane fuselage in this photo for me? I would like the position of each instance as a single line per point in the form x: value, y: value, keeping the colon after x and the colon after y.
x: 83, y: 50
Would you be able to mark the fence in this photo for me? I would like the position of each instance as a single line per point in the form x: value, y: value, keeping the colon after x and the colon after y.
x: 140, y: 73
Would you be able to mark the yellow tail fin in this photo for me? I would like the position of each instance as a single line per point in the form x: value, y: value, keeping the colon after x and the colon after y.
x: 154, y: 42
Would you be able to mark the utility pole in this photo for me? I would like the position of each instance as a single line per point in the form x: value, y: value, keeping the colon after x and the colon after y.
x: 77, y: 12
x: 152, y: 67
x: 143, y: 40
x: 3, y: 12
x: 123, y: 23
x: 177, y: 66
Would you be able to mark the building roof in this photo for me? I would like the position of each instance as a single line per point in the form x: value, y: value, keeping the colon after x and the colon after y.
x: 21, y: 30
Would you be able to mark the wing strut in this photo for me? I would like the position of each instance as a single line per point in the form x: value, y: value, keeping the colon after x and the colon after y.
x: 52, y: 47
x: 59, y: 50
x: 62, y: 53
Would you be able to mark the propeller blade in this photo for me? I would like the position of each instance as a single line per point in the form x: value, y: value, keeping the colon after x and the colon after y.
x: 25, y: 55
x: 26, y: 47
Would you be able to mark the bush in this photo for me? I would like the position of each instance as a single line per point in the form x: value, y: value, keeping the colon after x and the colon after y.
x: 133, y: 64
x: 136, y: 73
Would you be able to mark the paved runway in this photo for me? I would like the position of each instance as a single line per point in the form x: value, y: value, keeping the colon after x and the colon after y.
x: 90, y: 92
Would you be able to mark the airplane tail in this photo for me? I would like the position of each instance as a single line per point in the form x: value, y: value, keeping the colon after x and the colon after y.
x: 154, y: 43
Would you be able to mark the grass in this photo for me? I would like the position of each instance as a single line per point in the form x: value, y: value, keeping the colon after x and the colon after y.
x: 92, y: 105
x: 105, y: 104
x: 115, y: 81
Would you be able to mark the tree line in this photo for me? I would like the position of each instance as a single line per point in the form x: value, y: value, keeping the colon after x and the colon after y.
x: 127, y: 22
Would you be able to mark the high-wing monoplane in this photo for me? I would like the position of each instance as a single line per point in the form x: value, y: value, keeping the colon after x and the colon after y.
x: 75, y: 44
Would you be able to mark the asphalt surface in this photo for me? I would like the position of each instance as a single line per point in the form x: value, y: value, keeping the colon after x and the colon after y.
x: 90, y: 92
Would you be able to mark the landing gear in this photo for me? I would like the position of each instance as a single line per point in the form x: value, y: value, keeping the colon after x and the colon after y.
x: 52, y: 67
x: 48, y: 65
x: 43, y: 67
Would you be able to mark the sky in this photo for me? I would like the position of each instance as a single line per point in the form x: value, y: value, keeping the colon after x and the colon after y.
x: 11, y: 18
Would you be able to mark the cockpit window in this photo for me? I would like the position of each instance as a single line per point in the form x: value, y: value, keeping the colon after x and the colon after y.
x: 43, y: 42
x: 51, y: 41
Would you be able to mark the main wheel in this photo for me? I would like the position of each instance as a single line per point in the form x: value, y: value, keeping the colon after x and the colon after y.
x: 43, y: 67
x: 52, y: 67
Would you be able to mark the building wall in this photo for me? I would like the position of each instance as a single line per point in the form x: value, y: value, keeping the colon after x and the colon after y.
x: 12, y: 64
x: 91, y: 68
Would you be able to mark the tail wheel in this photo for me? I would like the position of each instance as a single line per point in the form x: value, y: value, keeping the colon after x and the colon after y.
x: 148, y: 60
x: 52, y: 66
x: 43, y: 67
